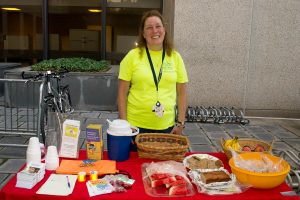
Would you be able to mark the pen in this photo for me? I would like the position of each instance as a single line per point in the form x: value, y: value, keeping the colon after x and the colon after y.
x: 69, y: 184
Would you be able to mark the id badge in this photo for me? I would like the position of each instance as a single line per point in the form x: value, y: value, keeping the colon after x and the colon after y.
x: 158, y: 109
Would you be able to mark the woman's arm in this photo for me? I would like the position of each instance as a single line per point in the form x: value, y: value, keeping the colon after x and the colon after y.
x: 181, y: 101
x: 123, y: 89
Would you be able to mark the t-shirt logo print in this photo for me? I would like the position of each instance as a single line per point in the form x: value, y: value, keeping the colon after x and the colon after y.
x: 167, y: 67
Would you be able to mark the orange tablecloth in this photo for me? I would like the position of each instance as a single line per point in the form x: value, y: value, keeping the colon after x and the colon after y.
x: 133, y: 166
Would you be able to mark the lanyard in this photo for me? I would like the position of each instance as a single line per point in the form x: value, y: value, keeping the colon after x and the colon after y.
x: 156, y: 80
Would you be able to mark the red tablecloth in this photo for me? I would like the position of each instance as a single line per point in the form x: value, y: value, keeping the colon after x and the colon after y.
x: 133, y: 166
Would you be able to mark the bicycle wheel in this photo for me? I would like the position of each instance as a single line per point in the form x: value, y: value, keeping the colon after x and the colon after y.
x: 43, y: 121
x: 47, y: 106
x: 66, y: 100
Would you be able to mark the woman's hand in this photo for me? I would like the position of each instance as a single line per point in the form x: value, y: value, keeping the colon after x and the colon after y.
x: 177, y: 130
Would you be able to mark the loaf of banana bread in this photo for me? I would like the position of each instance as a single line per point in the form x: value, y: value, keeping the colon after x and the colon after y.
x: 214, y: 176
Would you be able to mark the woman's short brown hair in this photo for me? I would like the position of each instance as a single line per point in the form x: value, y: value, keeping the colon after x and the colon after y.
x: 167, y: 44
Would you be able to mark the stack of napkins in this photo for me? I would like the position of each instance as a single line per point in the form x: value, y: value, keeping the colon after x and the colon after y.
x: 30, y: 175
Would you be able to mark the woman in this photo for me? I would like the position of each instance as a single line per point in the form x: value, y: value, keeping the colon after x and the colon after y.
x: 151, y: 77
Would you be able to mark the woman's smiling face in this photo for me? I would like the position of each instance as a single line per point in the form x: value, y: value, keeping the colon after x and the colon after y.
x: 154, y: 33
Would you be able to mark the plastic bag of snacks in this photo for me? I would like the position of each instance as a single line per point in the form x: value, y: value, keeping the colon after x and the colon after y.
x: 120, y: 182
x: 166, y: 178
x: 263, y: 164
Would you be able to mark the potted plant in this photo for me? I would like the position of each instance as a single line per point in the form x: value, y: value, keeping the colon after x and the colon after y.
x: 72, y: 64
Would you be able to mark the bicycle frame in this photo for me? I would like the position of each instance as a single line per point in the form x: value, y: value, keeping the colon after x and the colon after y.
x: 53, y: 97
x: 54, y: 94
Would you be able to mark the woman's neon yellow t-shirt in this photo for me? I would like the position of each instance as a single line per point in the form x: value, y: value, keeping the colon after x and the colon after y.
x: 136, y: 69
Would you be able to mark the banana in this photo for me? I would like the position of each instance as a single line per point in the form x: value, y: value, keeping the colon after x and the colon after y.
x: 233, y: 144
x: 236, y: 146
x: 228, y: 143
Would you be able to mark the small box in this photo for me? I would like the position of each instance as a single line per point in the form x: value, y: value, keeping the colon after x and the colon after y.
x: 94, y: 145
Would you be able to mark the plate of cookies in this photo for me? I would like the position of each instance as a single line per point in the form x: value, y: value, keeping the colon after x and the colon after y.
x: 203, y: 162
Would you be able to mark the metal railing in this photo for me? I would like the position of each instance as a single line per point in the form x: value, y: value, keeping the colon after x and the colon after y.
x: 20, y: 108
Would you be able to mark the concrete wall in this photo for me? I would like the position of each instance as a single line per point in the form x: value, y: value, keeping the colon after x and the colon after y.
x: 242, y: 53
x: 89, y: 91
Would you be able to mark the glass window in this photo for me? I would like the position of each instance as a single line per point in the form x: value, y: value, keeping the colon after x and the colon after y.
x: 75, y: 28
x: 123, y: 18
x: 20, y: 24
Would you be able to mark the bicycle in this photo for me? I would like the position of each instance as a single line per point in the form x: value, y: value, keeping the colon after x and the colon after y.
x: 56, y: 97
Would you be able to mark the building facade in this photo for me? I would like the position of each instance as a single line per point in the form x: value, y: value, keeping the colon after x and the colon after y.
x: 241, y: 53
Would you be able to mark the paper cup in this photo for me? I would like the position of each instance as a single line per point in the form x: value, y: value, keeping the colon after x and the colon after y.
x: 34, y: 141
x: 93, y: 175
x: 81, y: 177
x: 52, y: 163
x: 52, y: 151
x: 33, y: 157
x: 52, y: 160
x: 33, y: 145
x: 32, y: 149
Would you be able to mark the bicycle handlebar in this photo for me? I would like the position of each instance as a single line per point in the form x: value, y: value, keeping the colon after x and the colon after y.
x: 30, y: 76
x: 50, y: 74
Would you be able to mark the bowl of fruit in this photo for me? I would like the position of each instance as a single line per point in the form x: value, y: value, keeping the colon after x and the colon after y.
x: 263, y: 171
x: 244, y: 145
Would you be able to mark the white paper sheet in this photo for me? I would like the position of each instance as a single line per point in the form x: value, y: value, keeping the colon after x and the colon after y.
x: 57, y: 184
